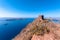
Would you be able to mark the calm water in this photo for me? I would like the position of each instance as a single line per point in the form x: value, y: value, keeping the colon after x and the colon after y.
x: 9, y: 29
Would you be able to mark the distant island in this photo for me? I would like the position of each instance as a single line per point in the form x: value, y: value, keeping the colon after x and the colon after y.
x: 40, y: 29
x: 12, y: 19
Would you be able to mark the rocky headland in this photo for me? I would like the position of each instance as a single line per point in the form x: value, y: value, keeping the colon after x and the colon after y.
x: 40, y: 29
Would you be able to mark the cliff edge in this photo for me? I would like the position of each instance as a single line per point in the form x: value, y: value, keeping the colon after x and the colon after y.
x: 40, y: 29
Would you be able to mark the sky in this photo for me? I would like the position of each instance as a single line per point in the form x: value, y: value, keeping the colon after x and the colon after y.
x: 29, y: 8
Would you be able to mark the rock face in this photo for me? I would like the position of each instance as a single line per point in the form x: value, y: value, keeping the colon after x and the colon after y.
x: 40, y: 29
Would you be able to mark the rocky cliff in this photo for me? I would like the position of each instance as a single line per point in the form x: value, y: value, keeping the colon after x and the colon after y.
x: 40, y: 29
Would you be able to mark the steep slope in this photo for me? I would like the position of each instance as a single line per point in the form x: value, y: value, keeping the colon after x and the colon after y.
x: 40, y: 29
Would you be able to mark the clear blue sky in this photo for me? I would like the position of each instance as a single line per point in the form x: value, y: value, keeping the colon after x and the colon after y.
x: 29, y: 8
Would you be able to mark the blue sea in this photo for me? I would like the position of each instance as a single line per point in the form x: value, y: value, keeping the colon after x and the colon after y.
x: 9, y: 28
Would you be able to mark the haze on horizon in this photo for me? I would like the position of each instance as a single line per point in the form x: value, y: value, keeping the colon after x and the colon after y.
x: 29, y: 8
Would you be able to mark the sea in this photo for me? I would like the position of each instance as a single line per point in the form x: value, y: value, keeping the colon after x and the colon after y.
x: 9, y: 28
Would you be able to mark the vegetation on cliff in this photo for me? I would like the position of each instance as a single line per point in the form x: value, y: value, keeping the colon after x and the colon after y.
x: 40, y: 27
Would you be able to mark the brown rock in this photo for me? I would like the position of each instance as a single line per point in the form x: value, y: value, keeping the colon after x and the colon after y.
x: 40, y: 29
x: 49, y: 36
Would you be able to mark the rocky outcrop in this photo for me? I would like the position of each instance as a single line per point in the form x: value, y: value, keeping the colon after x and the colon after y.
x: 40, y: 29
